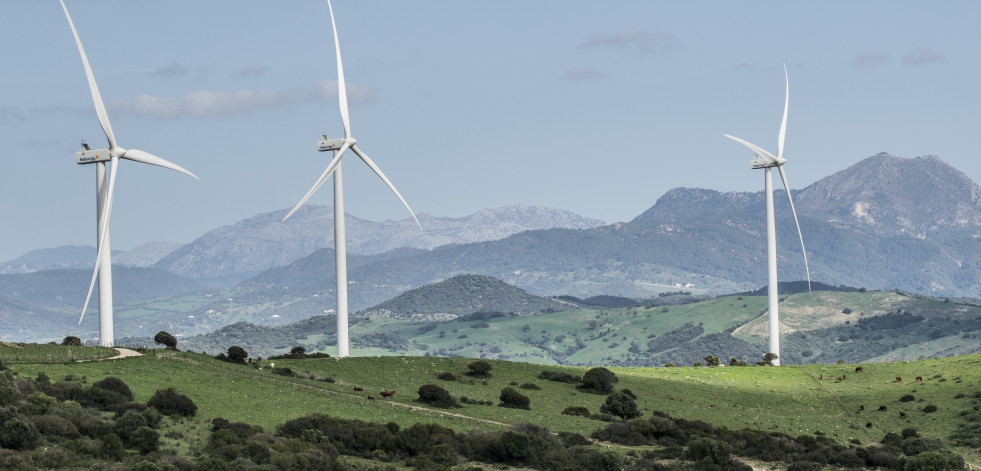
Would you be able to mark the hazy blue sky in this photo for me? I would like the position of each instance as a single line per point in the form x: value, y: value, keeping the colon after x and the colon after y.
x: 593, y: 107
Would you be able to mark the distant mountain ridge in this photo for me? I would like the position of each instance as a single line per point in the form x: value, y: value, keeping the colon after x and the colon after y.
x: 253, y: 245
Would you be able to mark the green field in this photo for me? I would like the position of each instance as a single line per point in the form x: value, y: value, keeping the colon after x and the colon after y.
x: 796, y: 400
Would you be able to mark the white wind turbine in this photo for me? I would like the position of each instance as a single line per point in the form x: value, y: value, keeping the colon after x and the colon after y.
x: 767, y: 162
x: 339, y: 146
x: 104, y: 192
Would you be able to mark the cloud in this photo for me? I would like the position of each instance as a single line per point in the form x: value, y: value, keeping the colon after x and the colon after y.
x: 209, y: 103
x: 167, y: 71
x: 632, y: 40
x: 922, y: 57
x: 870, y: 59
x: 584, y: 74
x: 254, y: 71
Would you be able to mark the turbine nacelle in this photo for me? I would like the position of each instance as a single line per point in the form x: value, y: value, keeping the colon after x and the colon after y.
x: 91, y: 156
x: 328, y: 144
x: 759, y: 162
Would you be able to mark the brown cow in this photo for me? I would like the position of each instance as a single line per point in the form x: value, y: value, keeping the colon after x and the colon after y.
x: 388, y: 393
x: 902, y: 414
x: 861, y: 407
x: 919, y: 378
x: 371, y: 398
x: 868, y: 425
x: 358, y: 388
x: 858, y: 369
x: 882, y: 408
x: 899, y: 379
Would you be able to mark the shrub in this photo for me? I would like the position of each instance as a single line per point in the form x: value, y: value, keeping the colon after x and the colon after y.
x: 701, y: 449
x: 578, y: 411
x: 712, y: 360
x: 72, y: 341
x: 599, y: 380
x: 19, y: 435
x: 115, y: 385
x: 934, y: 460
x: 531, y: 386
x: 285, y: 371
x: 907, y: 398
x: 929, y: 409
x: 170, y: 402
x: 166, y: 340
x: 446, y: 376
x: 437, y: 396
x: 510, y: 397
x: 479, y: 369
x: 620, y: 405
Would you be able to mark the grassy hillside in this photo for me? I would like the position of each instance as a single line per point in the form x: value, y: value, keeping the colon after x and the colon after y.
x: 794, y: 400
x: 818, y: 327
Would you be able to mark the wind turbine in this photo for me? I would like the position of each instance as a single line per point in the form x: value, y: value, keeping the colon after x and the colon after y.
x: 339, y: 147
x: 104, y: 192
x: 767, y: 162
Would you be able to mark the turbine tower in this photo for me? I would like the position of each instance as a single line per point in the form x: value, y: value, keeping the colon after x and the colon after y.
x: 104, y: 192
x: 767, y: 162
x: 339, y: 147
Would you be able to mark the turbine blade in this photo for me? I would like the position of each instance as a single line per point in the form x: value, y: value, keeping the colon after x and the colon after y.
x: 759, y: 150
x: 783, y: 176
x: 100, y: 108
x: 321, y: 180
x: 783, y: 123
x: 137, y: 155
x: 341, y: 87
x: 385, y: 179
x: 104, y: 231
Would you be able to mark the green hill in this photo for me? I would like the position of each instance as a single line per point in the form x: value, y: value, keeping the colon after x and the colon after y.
x: 799, y: 406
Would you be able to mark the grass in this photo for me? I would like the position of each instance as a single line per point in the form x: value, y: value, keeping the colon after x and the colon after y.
x: 790, y: 399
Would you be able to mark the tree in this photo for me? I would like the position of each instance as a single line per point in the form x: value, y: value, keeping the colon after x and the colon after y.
x: 170, y: 402
x: 479, y: 369
x: 298, y: 352
x: 599, y: 380
x: 510, y: 397
x: 72, y: 341
x: 437, y: 396
x: 712, y: 360
x: 237, y: 354
x: 620, y: 405
x: 768, y: 359
x: 166, y: 339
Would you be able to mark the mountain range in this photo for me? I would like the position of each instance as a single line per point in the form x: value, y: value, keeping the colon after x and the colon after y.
x: 884, y: 223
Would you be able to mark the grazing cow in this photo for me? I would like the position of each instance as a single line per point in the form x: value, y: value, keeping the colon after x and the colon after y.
x: 882, y: 408
x: 388, y: 393
x: 868, y: 425
x: 821, y: 377
x: 861, y: 407
x: 902, y: 414
x: 899, y: 379
x: 858, y: 369
x: 919, y: 378
x: 358, y: 388
x: 371, y: 398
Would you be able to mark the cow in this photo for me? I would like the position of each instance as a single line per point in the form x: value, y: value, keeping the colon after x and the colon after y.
x: 371, y: 398
x: 899, y: 379
x: 358, y: 388
x: 388, y: 393
x: 902, y: 414
x: 882, y: 408
x: 861, y: 407
x: 868, y: 425
x: 821, y: 377
x: 858, y: 369
x: 919, y: 378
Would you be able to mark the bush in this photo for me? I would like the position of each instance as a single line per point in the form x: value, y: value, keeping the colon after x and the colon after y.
x: 170, y: 402
x: 907, y: 398
x: 166, y: 339
x: 19, y: 435
x: 510, y: 397
x: 929, y: 409
x: 578, y: 411
x: 701, y: 449
x: 446, y: 376
x: 72, y: 341
x: 620, y: 405
x: 437, y: 396
x: 934, y: 460
x: 479, y: 369
x: 115, y: 385
x: 599, y: 380
x: 531, y: 386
